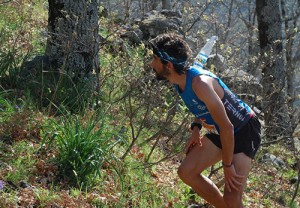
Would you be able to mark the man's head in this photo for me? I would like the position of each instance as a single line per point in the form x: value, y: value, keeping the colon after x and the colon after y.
x: 171, y: 48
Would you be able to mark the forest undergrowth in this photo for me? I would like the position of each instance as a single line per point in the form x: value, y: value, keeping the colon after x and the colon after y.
x: 122, y: 150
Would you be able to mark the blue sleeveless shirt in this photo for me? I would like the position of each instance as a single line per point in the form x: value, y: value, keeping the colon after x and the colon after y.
x: 237, y: 111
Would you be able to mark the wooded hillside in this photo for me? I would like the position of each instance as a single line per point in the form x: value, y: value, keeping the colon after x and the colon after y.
x: 84, y: 122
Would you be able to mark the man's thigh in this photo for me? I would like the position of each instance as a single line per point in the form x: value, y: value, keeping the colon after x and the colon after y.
x: 242, y: 165
x: 202, y: 157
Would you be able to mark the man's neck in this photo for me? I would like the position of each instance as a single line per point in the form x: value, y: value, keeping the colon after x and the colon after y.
x: 180, y: 80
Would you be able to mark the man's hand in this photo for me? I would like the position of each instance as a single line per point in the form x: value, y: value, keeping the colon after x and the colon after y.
x: 193, y: 141
x: 232, y: 179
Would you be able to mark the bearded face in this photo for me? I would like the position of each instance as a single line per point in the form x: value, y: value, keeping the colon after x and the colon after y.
x: 160, y: 69
x: 162, y: 74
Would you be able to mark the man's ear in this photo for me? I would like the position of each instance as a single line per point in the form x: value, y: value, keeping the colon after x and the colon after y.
x: 170, y: 65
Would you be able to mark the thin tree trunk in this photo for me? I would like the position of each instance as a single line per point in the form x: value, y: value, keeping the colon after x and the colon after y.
x: 273, y: 71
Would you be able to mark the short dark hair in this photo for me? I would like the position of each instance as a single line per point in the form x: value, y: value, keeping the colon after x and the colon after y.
x: 172, y: 47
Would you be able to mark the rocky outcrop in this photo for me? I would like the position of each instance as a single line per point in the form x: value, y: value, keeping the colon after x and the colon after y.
x: 153, y: 24
x: 242, y: 83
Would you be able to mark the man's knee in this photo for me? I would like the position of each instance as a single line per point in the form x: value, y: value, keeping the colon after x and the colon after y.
x: 233, y: 200
x: 187, y: 174
x: 183, y: 173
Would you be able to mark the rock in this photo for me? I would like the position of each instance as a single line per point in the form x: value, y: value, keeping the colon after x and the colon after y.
x: 245, y: 85
x: 243, y: 82
x: 192, y: 42
x: 296, y: 141
x: 216, y: 63
x: 170, y: 13
x: 32, y: 69
x: 155, y: 23
x: 269, y: 158
x: 152, y: 24
x: 121, y: 133
x: 134, y: 36
x: 294, y: 180
x: 23, y: 184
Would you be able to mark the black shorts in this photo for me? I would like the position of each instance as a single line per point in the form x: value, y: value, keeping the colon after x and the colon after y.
x: 246, y: 140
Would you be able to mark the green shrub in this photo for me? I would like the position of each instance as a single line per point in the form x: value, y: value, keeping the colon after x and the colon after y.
x: 83, y: 144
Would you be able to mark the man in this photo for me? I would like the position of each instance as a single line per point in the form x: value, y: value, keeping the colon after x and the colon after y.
x: 233, y: 129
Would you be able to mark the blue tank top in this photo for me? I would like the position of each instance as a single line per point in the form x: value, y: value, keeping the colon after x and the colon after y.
x: 237, y: 111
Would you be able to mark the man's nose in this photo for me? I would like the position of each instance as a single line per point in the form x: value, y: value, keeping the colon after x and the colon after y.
x: 151, y: 63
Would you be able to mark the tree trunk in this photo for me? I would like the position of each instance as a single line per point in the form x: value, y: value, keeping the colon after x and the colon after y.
x: 290, y: 22
x: 166, y: 4
x: 154, y: 4
x: 73, y: 43
x: 252, y: 45
x: 274, y: 68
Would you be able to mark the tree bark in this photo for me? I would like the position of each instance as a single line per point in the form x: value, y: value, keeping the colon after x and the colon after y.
x: 154, y: 4
x: 274, y: 67
x: 166, y: 4
x: 290, y: 22
x: 73, y: 44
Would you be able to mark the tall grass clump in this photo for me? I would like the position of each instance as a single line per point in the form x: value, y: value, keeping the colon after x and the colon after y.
x: 6, y: 108
x: 61, y: 89
x: 83, y: 144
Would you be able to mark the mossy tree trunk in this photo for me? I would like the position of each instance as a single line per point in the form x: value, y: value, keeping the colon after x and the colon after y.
x: 72, y: 53
x: 274, y: 67
x: 166, y: 4
x: 73, y: 28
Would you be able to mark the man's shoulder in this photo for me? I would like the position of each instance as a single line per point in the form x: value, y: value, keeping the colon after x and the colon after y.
x: 200, y: 83
x: 202, y: 79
